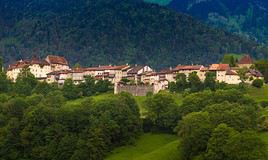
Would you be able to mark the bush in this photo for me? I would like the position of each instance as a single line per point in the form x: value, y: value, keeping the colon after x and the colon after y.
x: 258, y: 83
x: 3, y: 98
x: 264, y: 104
x: 263, y: 124
x: 162, y: 111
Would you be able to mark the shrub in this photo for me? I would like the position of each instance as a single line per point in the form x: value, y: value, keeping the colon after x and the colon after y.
x: 258, y: 83
x: 264, y: 104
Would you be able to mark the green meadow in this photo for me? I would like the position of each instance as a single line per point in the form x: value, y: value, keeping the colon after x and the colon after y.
x: 259, y: 94
x: 149, y: 147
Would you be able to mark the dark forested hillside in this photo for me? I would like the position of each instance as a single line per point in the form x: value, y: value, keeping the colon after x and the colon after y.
x: 95, y: 32
x: 249, y: 17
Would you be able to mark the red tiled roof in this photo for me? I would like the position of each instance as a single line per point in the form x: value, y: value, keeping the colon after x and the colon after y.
x: 19, y: 64
x: 57, y: 60
x: 26, y: 63
x: 219, y: 67
x: 36, y: 60
x: 189, y: 67
x: 246, y: 60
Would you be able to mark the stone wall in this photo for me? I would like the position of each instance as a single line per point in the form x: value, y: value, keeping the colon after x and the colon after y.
x: 135, y: 90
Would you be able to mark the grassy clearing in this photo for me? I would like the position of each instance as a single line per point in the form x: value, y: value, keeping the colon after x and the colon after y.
x: 259, y: 94
x: 149, y: 147
x: 264, y: 137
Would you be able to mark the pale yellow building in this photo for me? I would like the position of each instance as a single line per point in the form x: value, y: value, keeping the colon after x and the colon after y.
x: 220, y: 71
x: 39, y: 68
x: 188, y: 69
x: 14, y: 69
x: 231, y: 77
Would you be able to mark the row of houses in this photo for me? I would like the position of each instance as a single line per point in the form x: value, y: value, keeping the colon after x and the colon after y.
x: 55, y: 69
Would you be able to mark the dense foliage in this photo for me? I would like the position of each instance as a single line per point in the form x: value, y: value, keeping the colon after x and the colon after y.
x: 45, y: 127
x: 162, y: 112
x: 249, y: 17
x: 94, y: 32
x: 220, y: 125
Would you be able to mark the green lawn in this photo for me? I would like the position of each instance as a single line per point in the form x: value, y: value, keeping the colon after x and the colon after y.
x: 259, y: 94
x: 149, y: 147
x: 264, y: 137
x: 154, y: 147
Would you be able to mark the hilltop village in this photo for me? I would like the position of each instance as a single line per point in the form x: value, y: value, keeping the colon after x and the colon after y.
x: 56, y: 69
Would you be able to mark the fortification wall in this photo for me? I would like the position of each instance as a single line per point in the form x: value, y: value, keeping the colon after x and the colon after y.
x: 135, y: 90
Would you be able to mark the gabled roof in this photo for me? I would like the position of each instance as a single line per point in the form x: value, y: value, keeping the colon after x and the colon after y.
x: 230, y: 72
x: 188, y: 67
x: 52, y: 59
x: 36, y: 60
x: 219, y: 67
x: 27, y: 63
x: 19, y: 64
x: 255, y: 73
x: 135, y: 69
x: 246, y: 60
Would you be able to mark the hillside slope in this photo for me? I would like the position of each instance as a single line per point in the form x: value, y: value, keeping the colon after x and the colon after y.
x: 94, y: 32
x: 249, y: 17
x: 149, y: 147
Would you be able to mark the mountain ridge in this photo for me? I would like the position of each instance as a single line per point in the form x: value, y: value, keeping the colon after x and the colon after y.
x: 112, y: 31
x: 247, y: 17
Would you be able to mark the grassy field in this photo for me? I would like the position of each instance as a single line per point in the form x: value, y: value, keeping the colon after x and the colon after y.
x: 149, y: 147
x: 264, y: 137
x: 155, y: 147
x: 259, y: 94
